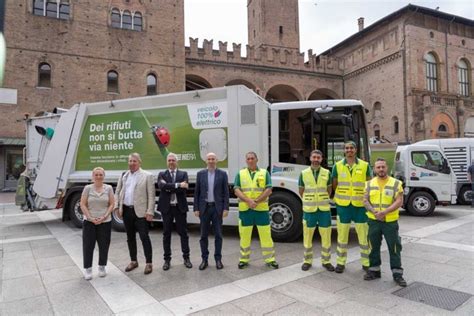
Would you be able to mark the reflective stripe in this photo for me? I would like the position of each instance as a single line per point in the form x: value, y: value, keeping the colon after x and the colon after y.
x: 307, y: 190
x: 244, y: 256
x: 325, y: 249
x: 341, y: 254
x: 342, y: 197
x: 358, y: 184
x: 376, y: 269
x: 268, y: 249
x: 321, y: 190
x: 400, y: 271
x: 357, y: 198
x: 245, y: 190
x: 326, y: 257
x: 244, y: 249
x: 259, y: 189
x: 341, y: 245
x: 308, y: 249
x: 271, y: 255
x: 310, y: 256
x: 365, y: 247
x: 364, y: 255
x: 344, y: 183
x: 320, y: 203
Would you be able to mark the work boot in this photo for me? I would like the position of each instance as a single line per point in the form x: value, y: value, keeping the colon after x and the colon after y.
x: 243, y: 265
x: 306, y: 266
x: 372, y: 275
x: 339, y: 268
x: 272, y: 264
x: 400, y: 280
x: 328, y: 267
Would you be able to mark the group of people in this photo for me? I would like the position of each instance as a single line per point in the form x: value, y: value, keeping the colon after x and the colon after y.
x: 371, y: 203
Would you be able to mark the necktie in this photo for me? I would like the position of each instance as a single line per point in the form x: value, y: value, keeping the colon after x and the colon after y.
x: 173, y: 179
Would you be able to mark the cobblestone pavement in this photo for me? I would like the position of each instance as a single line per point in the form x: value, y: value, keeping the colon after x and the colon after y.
x: 41, y: 260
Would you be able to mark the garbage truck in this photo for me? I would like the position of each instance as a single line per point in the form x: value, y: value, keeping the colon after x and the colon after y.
x: 229, y: 121
x: 434, y: 171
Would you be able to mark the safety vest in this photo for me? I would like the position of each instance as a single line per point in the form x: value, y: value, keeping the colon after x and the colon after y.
x: 252, y: 188
x: 381, y: 199
x: 350, y: 186
x: 315, y: 194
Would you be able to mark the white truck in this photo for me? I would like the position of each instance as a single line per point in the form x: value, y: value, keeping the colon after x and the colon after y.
x: 434, y: 172
x: 229, y: 121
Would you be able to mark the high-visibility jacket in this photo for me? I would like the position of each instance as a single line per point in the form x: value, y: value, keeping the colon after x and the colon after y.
x: 350, y: 186
x: 381, y: 199
x: 315, y: 194
x: 252, y: 188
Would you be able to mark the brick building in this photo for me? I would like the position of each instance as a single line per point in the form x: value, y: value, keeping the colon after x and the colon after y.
x: 412, y: 68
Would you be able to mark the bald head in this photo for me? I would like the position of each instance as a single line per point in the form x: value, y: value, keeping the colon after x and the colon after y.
x: 211, y: 161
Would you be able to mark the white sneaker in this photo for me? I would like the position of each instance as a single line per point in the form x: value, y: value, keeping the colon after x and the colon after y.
x: 102, y: 272
x: 88, y: 274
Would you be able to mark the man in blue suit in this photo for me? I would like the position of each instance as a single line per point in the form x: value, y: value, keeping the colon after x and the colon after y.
x: 211, y: 204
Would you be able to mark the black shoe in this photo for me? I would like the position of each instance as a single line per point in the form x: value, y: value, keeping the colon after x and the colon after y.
x: 243, y: 265
x: 202, y: 266
x: 219, y: 265
x: 400, y: 280
x: 365, y: 268
x: 188, y: 264
x: 339, y: 268
x: 328, y: 267
x: 306, y: 266
x: 372, y: 275
x: 273, y: 265
x: 166, y: 265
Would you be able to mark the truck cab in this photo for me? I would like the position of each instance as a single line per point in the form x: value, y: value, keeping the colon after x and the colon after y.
x: 427, y: 178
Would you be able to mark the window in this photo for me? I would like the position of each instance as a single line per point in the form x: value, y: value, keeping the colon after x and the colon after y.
x: 58, y: 9
x: 127, y: 20
x: 115, y: 18
x: 112, y: 82
x: 151, y: 85
x: 395, y: 125
x: 431, y: 72
x: 137, y: 21
x: 463, y: 77
x: 442, y: 128
x: 431, y: 160
x: 14, y: 164
x: 281, y: 30
x: 44, y: 75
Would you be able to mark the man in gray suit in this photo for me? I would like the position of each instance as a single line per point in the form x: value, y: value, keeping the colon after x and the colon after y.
x: 211, y: 204
x: 135, y: 201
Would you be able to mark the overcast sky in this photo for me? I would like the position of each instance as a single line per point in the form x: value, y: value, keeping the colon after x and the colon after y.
x: 323, y: 23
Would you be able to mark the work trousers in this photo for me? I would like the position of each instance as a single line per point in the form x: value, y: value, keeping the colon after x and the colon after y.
x: 261, y: 219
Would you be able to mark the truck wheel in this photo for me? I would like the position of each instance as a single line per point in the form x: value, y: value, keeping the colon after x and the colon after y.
x: 117, y: 222
x: 75, y: 212
x: 421, y: 204
x: 285, y: 217
x: 465, y: 195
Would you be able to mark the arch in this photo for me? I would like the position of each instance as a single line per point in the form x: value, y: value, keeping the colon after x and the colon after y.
x: 112, y: 81
x: 195, y: 82
x: 442, y: 125
x: 44, y: 75
x: 431, y: 71
x: 244, y: 82
x: 323, y: 94
x: 464, y: 76
x: 283, y: 93
x: 377, y: 110
x: 377, y: 131
x: 115, y: 18
x: 151, y: 84
x: 137, y: 21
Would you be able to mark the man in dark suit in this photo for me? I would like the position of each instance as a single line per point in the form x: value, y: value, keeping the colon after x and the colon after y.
x: 172, y: 204
x: 211, y: 204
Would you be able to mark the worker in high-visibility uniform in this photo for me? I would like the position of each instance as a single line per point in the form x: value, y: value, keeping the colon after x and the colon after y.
x: 383, y: 199
x: 253, y: 186
x: 315, y: 187
x: 349, y: 176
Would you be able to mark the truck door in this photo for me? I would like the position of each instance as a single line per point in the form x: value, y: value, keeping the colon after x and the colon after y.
x: 430, y: 169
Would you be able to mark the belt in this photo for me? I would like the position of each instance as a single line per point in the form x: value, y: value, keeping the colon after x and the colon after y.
x: 128, y: 206
x: 211, y: 203
x: 173, y: 204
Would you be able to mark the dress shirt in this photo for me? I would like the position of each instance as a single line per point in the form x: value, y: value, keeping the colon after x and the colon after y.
x: 130, y: 187
x: 211, y: 175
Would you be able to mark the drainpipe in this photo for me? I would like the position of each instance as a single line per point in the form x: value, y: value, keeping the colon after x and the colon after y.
x: 458, y: 123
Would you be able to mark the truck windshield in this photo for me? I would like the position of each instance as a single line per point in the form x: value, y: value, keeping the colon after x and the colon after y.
x: 303, y: 130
